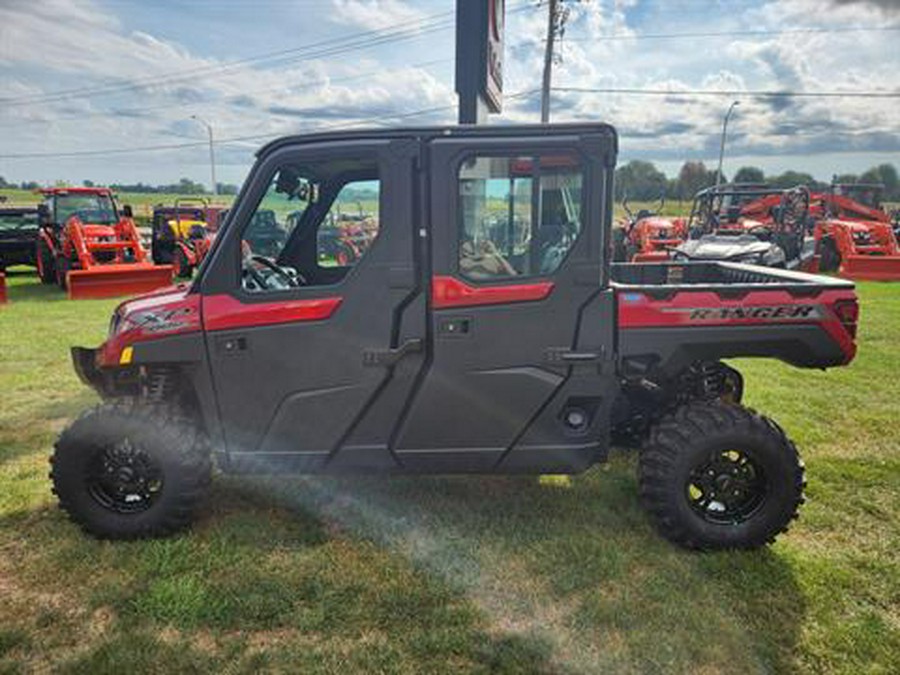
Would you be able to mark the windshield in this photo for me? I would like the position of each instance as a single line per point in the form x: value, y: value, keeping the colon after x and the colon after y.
x: 17, y: 221
x: 92, y: 209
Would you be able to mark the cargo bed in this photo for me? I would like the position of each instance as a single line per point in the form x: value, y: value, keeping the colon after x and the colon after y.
x: 715, y: 310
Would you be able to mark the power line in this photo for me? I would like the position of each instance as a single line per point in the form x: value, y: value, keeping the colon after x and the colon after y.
x: 240, y: 139
x: 732, y: 33
x: 730, y: 92
x: 331, y: 47
x: 127, y: 112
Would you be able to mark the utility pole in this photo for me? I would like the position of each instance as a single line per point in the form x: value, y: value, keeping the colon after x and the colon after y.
x: 722, y: 143
x: 552, y: 19
x: 212, y: 155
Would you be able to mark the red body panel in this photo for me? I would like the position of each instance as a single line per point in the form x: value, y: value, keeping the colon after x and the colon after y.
x: 448, y: 292
x: 169, y: 311
x: 707, y: 308
x: 223, y: 312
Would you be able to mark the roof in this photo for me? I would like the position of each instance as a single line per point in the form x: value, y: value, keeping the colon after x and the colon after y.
x: 76, y: 190
x: 17, y: 210
x: 451, y: 131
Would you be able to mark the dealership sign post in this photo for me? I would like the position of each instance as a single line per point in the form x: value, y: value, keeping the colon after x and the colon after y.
x: 479, y: 58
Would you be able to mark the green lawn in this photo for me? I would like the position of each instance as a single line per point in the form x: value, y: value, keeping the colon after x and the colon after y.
x: 428, y: 575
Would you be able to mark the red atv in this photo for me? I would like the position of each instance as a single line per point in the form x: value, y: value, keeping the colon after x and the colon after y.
x: 647, y: 236
x: 854, y: 236
x: 90, y: 249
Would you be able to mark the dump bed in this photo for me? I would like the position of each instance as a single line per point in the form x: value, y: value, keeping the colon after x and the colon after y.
x: 672, y: 314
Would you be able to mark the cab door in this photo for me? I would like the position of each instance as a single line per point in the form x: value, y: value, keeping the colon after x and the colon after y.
x: 304, y: 344
x: 521, y: 321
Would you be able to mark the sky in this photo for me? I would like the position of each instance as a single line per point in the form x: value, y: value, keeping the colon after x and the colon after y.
x: 86, y: 86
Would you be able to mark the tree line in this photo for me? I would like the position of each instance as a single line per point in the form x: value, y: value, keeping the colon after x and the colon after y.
x: 642, y: 181
x: 184, y: 186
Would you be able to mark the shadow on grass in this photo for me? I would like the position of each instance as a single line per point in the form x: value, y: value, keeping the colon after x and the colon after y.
x: 37, y: 427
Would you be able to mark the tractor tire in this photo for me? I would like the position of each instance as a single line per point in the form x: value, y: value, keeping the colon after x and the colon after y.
x: 128, y: 470
x: 183, y: 268
x: 720, y: 476
x: 46, y: 265
x: 62, y: 269
x: 830, y: 260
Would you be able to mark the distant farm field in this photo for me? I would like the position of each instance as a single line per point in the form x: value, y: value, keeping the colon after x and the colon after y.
x: 453, y: 575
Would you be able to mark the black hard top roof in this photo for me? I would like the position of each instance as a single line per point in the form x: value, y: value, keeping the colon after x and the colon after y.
x: 450, y: 131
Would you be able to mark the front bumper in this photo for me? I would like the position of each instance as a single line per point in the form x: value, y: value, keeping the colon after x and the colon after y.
x: 85, y: 362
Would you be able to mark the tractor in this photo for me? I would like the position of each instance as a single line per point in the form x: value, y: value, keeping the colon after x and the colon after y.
x: 181, y: 235
x: 346, y: 236
x: 647, y: 236
x: 750, y: 224
x: 854, y: 236
x: 91, y: 249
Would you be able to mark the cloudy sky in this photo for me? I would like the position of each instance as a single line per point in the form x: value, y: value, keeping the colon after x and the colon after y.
x: 84, y: 81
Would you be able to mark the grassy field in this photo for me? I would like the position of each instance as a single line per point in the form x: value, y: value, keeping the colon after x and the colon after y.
x: 432, y: 575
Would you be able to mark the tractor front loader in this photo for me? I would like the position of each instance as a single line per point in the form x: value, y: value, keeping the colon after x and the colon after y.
x: 91, y: 250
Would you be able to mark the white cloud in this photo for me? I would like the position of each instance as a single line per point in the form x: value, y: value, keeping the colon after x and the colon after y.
x: 375, y: 14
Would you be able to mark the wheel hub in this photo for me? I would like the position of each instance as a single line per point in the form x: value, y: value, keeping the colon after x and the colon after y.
x: 124, y: 478
x: 728, y: 488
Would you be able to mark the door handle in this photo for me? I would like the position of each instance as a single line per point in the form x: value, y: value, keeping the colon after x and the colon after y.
x: 388, y: 357
x: 565, y: 355
x: 231, y: 345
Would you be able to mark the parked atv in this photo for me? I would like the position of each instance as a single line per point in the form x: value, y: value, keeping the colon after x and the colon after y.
x: 442, y: 351
x: 760, y: 226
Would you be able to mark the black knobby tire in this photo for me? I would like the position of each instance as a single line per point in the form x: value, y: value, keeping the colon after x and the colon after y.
x: 62, y: 269
x: 830, y: 258
x: 45, y: 263
x: 168, y: 462
x: 768, y: 477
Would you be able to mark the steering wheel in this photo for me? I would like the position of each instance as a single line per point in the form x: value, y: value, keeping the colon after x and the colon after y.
x: 291, y: 281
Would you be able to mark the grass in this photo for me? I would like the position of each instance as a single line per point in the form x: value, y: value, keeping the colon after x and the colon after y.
x: 448, y: 575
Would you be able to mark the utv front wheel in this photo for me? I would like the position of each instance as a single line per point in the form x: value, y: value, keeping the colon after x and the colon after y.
x: 127, y: 471
x: 719, y: 476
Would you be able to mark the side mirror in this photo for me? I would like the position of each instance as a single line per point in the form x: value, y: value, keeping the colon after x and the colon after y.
x: 127, y: 212
x: 45, y: 219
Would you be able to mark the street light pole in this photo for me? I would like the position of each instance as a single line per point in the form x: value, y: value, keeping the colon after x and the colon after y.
x: 722, y: 144
x: 212, y: 155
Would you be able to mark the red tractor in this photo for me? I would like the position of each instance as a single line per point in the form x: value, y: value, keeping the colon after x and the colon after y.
x: 647, y: 236
x: 91, y: 249
x: 853, y: 235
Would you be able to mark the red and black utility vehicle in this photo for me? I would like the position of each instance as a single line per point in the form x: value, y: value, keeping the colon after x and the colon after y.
x: 441, y: 350
x: 749, y: 224
x: 90, y: 248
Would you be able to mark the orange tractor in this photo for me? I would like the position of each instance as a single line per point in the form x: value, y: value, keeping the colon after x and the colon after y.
x: 853, y: 235
x: 647, y: 236
x: 90, y: 249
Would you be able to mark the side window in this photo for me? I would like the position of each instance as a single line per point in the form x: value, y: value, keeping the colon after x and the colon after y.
x: 312, y: 226
x: 518, y: 216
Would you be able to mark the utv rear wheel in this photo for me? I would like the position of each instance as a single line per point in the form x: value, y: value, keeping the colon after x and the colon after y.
x: 719, y: 476
x: 128, y: 471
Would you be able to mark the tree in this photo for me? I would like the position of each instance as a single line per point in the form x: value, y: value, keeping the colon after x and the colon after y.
x: 789, y: 179
x: 885, y: 174
x: 87, y: 183
x: 640, y: 181
x: 693, y: 177
x: 749, y: 174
